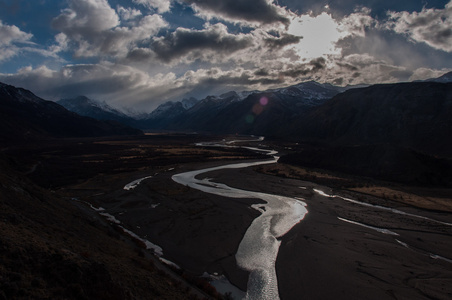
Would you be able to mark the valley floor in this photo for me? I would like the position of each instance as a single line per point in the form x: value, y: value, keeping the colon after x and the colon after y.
x: 338, y: 251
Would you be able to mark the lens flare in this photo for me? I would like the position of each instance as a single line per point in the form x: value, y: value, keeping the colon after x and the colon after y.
x: 249, y: 119
x: 257, y: 109
x: 263, y: 101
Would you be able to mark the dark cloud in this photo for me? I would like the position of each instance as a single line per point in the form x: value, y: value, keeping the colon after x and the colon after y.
x: 261, y: 72
x: 284, y: 40
x: 402, y: 75
x: 340, y: 8
x: 349, y: 67
x: 140, y: 54
x: 338, y: 81
x: 199, y: 43
x: 318, y: 64
x: 252, y: 11
x: 242, y: 80
x: 297, y: 71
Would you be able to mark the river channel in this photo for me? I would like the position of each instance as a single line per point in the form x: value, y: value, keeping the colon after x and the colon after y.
x: 259, y: 247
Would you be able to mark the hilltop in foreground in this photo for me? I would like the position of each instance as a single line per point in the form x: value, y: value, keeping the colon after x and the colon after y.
x: 54, y: 248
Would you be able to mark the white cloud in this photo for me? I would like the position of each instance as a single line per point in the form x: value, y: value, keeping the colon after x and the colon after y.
x: 86, y: 17
x: 161, y: 5
x: 9, y: 36
x: 357, y: 22
x: 426, y: 73
x: 128, y: 13
x: 93, y: 28
x: 62, y: 43
x: 431, y: 26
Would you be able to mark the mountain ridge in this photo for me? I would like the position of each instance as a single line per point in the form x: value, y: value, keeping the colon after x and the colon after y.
x: 415, y: 115
x: 168, y: 114
x: 25, y: 116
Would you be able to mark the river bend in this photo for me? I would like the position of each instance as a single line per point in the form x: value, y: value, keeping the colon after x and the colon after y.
x: 259, y: 247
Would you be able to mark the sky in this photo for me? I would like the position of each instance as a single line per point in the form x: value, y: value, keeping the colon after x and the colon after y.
x: 137, y: 54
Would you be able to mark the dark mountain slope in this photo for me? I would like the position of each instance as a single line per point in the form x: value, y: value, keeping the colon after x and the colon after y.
x: 267, y: 113
x: 165, y: 114
x: 24, y: 116
x: 52, y: 248
x: 242, y: 112
x: 100, y: 111
x: 444, y: 78
x: 415, y: 115
x: 384, y: 162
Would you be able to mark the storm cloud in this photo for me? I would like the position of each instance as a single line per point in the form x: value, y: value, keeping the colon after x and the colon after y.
x: 199, y: 44
x: 247, y: 11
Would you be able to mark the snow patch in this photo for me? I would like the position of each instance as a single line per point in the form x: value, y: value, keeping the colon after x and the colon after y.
x: 169, y: 263
x: 381, y: 230
x: 393, y: 210
x: 110, y: 218
x: 157, y: 249
x: 434, y: 256
x: 223, y: 285
x: 135, y: 183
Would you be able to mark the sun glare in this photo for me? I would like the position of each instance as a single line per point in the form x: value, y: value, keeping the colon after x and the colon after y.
x: 319, y: 35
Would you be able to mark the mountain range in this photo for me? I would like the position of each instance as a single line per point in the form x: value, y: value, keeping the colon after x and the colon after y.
x: 413, y: 114
x: 213, y: 112
x: 84, y: 106
x: 397, y: 132
x: 25, y: 116
x: 401, y: 120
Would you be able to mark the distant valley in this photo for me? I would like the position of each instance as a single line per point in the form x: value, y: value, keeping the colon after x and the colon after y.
x: 403, y: 122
